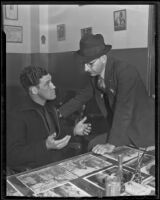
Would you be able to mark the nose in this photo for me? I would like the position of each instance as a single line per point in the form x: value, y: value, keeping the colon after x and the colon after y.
x: 52, y: 86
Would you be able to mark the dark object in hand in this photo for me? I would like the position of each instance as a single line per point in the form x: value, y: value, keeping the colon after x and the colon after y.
x: 75, y: 147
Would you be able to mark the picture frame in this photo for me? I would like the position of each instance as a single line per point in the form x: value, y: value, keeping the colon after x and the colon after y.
x: 14, y: 34
x: 120, y: 20
x: 85, y: 31
x: 11, y: 12
x: 61, y: 32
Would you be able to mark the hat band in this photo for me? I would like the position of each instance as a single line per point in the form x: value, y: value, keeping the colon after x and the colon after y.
x: 93, y: 51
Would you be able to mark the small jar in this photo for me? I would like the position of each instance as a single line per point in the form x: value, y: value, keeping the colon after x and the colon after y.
x: 112, y: 186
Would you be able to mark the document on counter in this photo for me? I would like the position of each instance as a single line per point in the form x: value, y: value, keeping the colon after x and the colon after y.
x: 127, y: 153
x: 138, y: 189
x: 85, y: 164
x: 12, y: 191
x: 149, y: 181
x: 44, y: 179
x: 147, y: 162
x: 98, y: 178
x: 65, y: 190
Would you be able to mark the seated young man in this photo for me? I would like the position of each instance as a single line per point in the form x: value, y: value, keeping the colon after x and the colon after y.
x: 34, y: 134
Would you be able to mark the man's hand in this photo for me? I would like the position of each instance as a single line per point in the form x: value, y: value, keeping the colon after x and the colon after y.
x: 103, y: 148
x: 51, y: 143
x: 82, y: 128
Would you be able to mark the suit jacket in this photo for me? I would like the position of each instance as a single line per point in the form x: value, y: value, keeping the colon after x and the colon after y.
x: 133, y: 110
x: 27, y: 132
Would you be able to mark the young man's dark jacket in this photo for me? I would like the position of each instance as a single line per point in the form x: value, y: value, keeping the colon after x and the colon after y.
x: 27, y: 132
x: 132, y: 108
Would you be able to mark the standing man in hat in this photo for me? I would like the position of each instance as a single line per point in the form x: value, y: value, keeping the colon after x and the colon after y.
x: 120, y: 95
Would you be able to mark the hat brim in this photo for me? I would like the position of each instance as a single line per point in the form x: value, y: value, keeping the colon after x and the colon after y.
x: 90, y: 58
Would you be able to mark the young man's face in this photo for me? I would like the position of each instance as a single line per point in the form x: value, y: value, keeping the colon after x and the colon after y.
x: 46, y: 89
x: 95, y: 67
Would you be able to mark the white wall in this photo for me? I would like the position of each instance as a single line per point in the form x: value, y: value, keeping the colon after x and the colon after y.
x: 43, y: 19
x: 100, y: 18
x: 35, y: 32
x: 40, y: 20
x: 23, y: 20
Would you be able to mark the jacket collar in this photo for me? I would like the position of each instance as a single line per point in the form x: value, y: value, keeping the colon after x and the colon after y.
x: 29, y: 104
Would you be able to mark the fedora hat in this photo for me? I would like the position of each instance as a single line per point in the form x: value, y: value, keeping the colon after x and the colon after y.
x: 92, y: 47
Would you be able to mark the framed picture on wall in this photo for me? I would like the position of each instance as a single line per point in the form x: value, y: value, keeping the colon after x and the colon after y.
x: 11, y: 12
x: 85, y: 31
x: 13, y: 33
x: 120, y: 21
x: 61, y: 32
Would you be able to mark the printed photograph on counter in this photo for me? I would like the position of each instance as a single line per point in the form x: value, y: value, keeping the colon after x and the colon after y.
x: 85, y: 164
x: 98, y: 178
x: 147, y: 162
x: 70, y: 190
x: 66, y: 190
x: 127, y: 153
x: 48, y: 193
x: 136, y: 189
x: 149, y: 181
x: 44, y: 179
x: 12, y: 191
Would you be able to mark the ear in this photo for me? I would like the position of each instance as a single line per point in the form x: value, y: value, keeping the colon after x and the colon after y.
x: 103, y: 58
x: 33, y: 90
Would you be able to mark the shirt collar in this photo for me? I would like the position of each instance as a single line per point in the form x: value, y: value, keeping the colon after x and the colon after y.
x: 103, y: 72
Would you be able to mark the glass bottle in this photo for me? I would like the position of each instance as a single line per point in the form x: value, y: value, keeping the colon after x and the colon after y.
x: 119, y: 173
x: 112, y: 185
x: 137, y: 176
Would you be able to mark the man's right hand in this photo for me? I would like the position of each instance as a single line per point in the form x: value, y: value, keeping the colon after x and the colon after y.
x: 51, y: 143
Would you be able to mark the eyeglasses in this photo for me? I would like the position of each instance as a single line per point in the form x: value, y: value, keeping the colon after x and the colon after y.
x: 89, y: 66
x: 92, y: 62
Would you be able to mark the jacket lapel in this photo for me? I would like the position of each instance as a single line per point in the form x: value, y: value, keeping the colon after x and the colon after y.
x: 109, y: 80
x: 108, y: 72
x: 53, y: 112
x: 30, y: 105
x: 98, y: 97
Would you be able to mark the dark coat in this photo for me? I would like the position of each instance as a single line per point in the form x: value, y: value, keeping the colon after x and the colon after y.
x: 26, y: 135
x: 133, y: 110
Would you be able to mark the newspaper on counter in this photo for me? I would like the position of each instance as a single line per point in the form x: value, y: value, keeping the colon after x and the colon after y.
x: 98, y: 178
x: 12, y: 191
x: 128, y: 153
x: 66, y: 190
x: 44, y: 179
x: 85, y: 164
x: 147, y: 162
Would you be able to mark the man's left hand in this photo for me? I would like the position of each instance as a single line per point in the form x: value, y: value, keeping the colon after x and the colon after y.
x: 82, y: 128
x: 103, y: 148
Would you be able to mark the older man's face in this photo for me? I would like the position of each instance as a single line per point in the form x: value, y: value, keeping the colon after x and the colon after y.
x: 94, y: 67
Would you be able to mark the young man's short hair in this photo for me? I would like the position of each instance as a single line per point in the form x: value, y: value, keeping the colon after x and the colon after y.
x: 30, y: 76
